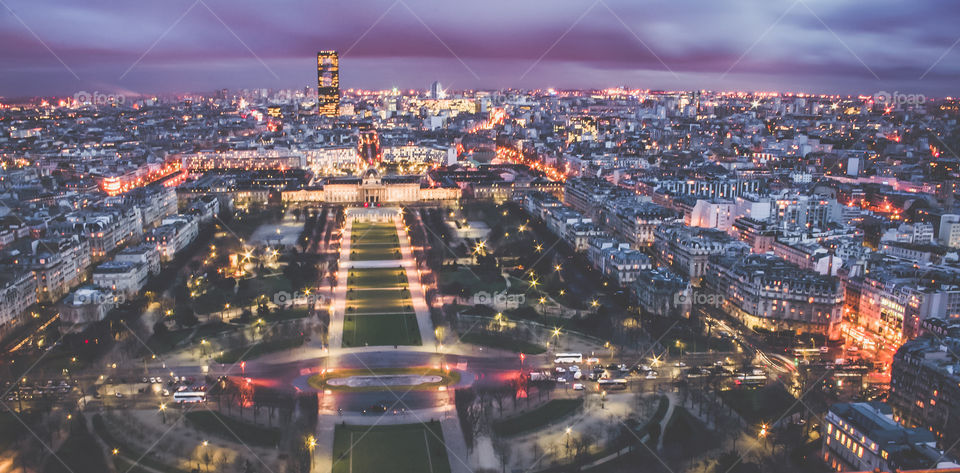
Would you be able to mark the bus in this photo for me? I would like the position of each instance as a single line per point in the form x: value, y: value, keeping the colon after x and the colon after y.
x: 568, y: 358
x: 805, y: 352
x: 751, y: 379
x: 189, y: 397
x: 612, y: 384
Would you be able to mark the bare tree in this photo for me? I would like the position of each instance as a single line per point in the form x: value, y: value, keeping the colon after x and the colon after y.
x: 504, y: 452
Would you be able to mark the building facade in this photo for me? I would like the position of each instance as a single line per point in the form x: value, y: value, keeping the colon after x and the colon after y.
x: 767, y: 292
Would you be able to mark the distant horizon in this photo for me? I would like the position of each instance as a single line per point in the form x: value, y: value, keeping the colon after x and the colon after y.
x: 407, y: 90
x: 806, y: 46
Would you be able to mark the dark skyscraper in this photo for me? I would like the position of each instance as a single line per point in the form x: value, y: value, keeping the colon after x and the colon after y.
x: 328, y: 83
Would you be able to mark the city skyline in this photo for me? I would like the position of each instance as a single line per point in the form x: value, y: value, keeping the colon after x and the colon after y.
x: 418, y: 237
x: 801, y: 46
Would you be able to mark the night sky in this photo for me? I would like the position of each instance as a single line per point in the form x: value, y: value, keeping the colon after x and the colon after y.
x: 51, y: 47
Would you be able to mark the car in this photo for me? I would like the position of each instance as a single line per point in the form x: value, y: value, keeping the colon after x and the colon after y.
x: 578, y: 375
x: 578, y: 387
x: 561, y: 380
x: 644, y: 368
x: 824, y: 350
x: 561, y: 369
x: 153, y: 380
x: 119, y: 395
x: 574, y: 368
x: 680, y: 364
x: 145, y: 380
x: 377, y: 408
x: 652, y: 375
x: 166, y: 392
x: 593, y: 360
x: 853, y: 349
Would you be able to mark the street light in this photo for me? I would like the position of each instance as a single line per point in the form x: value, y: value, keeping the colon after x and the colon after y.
x: 163, y: 412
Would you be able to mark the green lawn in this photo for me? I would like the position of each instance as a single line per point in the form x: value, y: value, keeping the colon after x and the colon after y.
x: 552, y: 411
x: 502, y: 342
x: 756, y: 405
x: 375, y: 253
x: 377, y: 277
x: 390, y: 448
x: 148, y: 460
x: 79, y: 453
x: 472, y: 281
x: 687, y: 436
x: 380, y: 330
x: 361, y: 301
x: 374, y: 242
x: 166, y: 341
x: 290, y: 313
x: 377, y: 316
x: 250, y: 352
x: 10, y: 429
x: 232, y: 429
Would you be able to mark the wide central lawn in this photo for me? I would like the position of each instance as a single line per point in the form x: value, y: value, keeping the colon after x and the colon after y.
x: 378, y: 300
x: 375, y: 253
x: 374, y: 242
x: 377, y: 277
x: 380, y: 330
x: 390, y: 449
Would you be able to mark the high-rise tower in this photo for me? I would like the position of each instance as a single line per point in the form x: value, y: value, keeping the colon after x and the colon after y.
x: 328, y: 83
